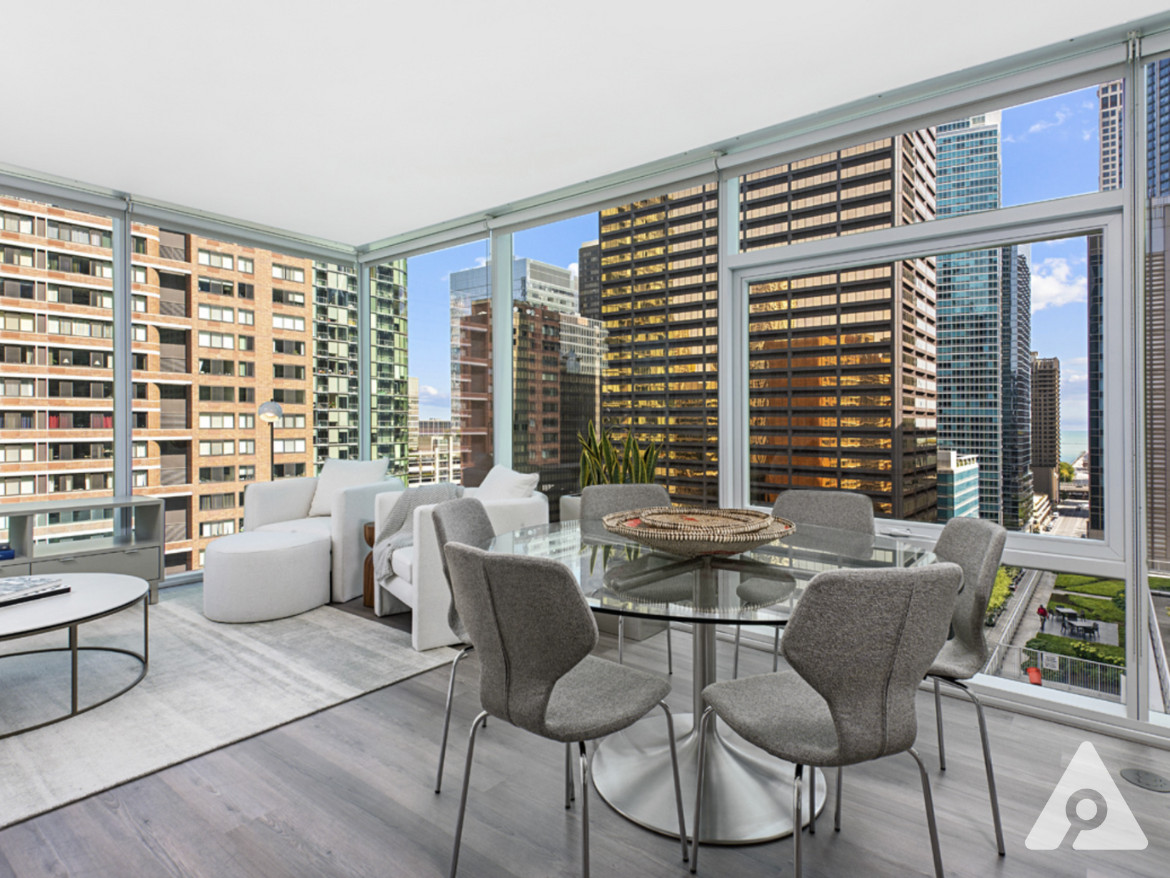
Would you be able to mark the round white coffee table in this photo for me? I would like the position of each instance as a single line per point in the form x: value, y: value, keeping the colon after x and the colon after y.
x: 92, y: 596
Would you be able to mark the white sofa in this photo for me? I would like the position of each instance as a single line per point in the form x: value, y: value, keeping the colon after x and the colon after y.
x: 284, y: 505
x: 417, y: 583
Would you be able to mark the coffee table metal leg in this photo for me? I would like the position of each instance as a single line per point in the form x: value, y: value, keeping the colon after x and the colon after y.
x: 73, y: 666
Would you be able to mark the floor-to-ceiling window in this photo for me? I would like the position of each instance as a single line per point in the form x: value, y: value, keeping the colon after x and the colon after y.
x: 56, y: 346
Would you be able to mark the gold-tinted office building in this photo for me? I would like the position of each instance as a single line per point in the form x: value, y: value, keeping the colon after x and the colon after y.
x: 843, y: 385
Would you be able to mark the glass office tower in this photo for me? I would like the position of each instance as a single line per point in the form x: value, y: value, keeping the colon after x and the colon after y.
x: 984, y: 318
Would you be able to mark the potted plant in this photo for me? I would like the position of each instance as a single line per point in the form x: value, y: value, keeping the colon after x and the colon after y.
x: 607, y: 461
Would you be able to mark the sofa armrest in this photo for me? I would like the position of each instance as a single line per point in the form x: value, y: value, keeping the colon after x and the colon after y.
x: 432, y: 599
x: 284, y: 500
x: 351, y: 509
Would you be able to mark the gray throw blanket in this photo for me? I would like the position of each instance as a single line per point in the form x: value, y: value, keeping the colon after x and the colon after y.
x: 396, y: 531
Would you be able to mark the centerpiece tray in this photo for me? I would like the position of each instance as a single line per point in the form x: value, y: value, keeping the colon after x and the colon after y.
x: 682, y: 531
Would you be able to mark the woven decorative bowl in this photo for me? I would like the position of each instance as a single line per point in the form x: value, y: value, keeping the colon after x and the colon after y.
x: 698, y: 531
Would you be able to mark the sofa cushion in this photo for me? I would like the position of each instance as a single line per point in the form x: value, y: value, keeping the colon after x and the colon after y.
x: 502, y: 483
x: 337, y: 475
x: 320, y: 525
x: 402, y: 562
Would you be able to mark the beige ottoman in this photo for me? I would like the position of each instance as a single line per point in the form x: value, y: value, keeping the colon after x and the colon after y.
x: 254, y: 577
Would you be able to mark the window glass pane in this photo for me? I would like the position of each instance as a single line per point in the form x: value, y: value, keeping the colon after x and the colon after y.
x: 447, y: 372
x: 557, y: 353
x: 1157, y: 389
x: 1064, y: 145
x: 1076, y: 645
x: 56, y: 381
x: 659, y: 286
x: 204, y: 380
x: 946, y: 386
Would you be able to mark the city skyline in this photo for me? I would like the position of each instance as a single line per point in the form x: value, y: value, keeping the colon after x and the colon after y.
x: 1049, y: 148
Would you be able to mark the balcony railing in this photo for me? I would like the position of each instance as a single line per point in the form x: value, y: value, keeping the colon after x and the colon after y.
x: 176, y: 421
x: 172, y: 364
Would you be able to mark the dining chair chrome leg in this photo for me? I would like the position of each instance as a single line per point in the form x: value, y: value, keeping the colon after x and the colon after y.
x: 570, y: 791
x: 447, y: 717
x: 735, y: 659
x: 776, y: 650
x: 837, y: 812
x: 475, y: 726
x: 584, y: 808
x: 669, y: 652
x: 812, y: 801
x: 942, y: 753
x: 621, y: 637
x: 682, y: 824
x: 703, y: 724
x: 929, y: 801
x: 797, y: 790
x: 986, y: 764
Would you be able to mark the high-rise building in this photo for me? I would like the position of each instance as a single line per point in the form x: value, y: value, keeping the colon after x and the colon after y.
x: 958, y: 485
x: 659, y: 279
x: 412, y: 413
x: 984, y: 337
x: 1157, y: 314
x: 1016, y: 394
x: 589, y: 279
x: 1046, y: 426
x: 436, y: 457
x: 1110, y: 125
x: 389, y: 365
x: 556, y: 359
x: 842, y: 363
x: 1110, y: 118
x: 217, y: 329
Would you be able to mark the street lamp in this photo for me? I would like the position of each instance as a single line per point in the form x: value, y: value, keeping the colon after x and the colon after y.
x: 271, y: 412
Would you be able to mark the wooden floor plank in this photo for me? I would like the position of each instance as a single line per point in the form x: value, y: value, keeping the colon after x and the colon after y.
x: 349, y: 792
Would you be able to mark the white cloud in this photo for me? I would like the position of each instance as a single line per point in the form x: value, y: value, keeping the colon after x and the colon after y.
x: 1007, y: 138
x: 573, y: 268
x: 428, y: 395
x: 1054, y: 283
x: 1062, y: 116
x: 481, y: 261
x: 1087, y: 135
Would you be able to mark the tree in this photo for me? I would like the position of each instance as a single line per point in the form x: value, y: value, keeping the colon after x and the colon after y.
x: 1067, y: 473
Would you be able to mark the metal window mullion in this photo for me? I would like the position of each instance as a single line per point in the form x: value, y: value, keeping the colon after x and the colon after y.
x: 975, y: 231
x: 365, y: 377
x: 123, y: 361
x: 501, y: 342
x: 1130, y: 360
x: 734, y: 469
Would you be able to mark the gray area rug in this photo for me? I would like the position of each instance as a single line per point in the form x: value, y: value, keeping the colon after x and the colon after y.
x: 208, y: 685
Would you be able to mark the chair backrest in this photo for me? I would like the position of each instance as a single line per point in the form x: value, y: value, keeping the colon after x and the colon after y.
x: 466, y: 521
x: 529, y: 624
x: 864, y: 639
x: 975, y: 545
x: 847, y: 510
x: 601, y: 500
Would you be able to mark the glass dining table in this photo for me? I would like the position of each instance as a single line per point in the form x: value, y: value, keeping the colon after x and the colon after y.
x: 747, y: 794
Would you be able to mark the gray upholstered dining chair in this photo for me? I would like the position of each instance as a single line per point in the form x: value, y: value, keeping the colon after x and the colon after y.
x: 845, y: 510
x: 533, y: 633
x: 598, y: 501
x: 858, y: 644
x: 976, y: 546
x: 463, y: 520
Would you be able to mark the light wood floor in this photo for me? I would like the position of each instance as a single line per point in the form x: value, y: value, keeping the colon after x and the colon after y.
x: 349, y: 792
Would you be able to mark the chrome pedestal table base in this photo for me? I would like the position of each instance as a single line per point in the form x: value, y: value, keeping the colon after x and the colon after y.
x: 747, y: 794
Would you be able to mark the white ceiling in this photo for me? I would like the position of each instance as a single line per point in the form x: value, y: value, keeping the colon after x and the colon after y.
x: 355, y: 121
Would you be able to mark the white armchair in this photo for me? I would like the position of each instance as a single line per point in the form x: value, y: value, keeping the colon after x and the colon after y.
x: 284, y: 506
x: 416, y: 580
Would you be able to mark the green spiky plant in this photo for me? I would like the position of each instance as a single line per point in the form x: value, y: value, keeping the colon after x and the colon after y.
x: 605, y: 461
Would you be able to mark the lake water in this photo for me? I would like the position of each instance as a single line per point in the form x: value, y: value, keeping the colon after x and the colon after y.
x: 1072, y: 443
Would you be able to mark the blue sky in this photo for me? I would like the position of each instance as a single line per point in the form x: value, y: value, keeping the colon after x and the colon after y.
x: 1049, y: 150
